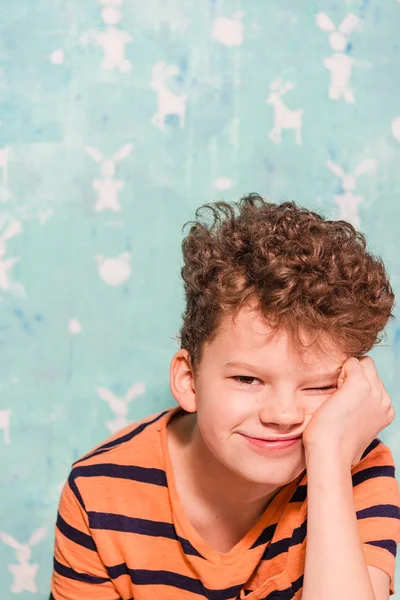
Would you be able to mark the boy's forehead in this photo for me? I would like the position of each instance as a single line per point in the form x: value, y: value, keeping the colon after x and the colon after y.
x: 248, y: 331
x: 250, y: 328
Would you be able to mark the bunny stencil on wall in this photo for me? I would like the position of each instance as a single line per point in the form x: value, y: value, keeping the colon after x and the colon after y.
x: 119, y: 406
x: 24, y: 572
x: 107, y: 187
x: 284, y: 117
x: 347, y: 201
x: 168, y: 102
x: 5, y: 416
x: 339, y: 64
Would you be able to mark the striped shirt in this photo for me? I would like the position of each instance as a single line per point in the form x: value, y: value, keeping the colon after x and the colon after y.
x: 122, y: 532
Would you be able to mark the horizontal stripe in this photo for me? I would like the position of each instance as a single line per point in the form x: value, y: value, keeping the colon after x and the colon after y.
x: 389, y: 545
x: 131, y: 472
x: 172, y: 579
x: 123, y: 523
x: 71, y: 574
x: 182, y: 582
x: 379, y: 510
x: 372, y: 472
x: 121, y: 440
x: 115, y: 522
x: 300, y: 494
x: 189, y: 584
x: 76, y: 536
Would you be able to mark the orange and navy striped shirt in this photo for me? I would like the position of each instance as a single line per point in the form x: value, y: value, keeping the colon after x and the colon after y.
x: 122, y: 532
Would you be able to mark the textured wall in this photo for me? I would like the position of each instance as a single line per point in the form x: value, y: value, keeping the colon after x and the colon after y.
x: 118, y: 118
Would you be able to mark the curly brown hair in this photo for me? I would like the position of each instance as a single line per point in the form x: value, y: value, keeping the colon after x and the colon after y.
x: 303, y: 272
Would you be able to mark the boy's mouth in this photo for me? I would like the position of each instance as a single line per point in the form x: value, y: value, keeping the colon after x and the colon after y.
x: 278, y: 444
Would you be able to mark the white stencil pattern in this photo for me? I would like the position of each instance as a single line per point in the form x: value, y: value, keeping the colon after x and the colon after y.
x: 5, y: 418
x: 347, y: 201
x: 5, y: 154
x: 114, y: 271
x: 112, y: 40
x: 229, y: 31
x: 11, y: 230
x: 108, y: 188
x: 168, y: 102
x: 119, y: 406
x: 24, y: 572
x: 396, y: 126
x: 339, y: 64
x: 284, y: 117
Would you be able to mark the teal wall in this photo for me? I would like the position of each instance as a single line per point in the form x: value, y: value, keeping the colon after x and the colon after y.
x: 118, y: 118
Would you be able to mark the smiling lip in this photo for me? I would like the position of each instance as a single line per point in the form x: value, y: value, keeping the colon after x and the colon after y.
x: 278, y: 439
x: 273, y: 445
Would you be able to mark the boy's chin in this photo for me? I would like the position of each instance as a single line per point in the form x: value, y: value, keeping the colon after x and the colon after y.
x: 271, y: 475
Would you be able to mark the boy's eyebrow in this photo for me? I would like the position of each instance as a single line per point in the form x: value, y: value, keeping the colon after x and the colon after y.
x: 316, y: 376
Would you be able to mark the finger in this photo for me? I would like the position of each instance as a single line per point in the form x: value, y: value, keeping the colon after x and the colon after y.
x: 387, y: 401
x: 368, y: 366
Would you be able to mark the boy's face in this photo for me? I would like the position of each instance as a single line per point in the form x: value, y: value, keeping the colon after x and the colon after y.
x: 272, y: 393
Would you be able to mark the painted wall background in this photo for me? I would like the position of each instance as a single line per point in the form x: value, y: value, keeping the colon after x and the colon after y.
x: 119, y: 118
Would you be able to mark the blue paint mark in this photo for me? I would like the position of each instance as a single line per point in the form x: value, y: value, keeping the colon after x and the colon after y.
x: 269, y: 166
x: 349, y: 48
x: 377, y: 15
x: 118, y: 389
x: 23, y: 320
x: 38, y: 318
x: 183, y: 66
x: 213, y: 6
x: 332, y: 153
x: 363, y: 8
x: 171, y: 120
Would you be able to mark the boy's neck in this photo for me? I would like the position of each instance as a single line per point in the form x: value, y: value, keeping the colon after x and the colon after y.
x: 207, y: 489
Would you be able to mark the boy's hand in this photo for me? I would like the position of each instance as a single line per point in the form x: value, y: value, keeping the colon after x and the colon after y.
x: 354, y: 415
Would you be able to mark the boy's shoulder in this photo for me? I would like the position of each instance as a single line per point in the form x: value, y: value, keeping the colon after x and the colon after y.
x: 377, y: 454
x: 119, y: 446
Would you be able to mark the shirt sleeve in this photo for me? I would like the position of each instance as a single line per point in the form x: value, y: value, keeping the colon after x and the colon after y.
x: 78, y: 572
x: 377, y: 504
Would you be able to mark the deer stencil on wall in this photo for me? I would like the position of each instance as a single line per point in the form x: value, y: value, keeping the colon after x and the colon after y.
x: 284, y: 117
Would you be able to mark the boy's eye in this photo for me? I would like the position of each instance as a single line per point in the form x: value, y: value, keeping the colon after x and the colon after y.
x: 247, y: 380
x: 329, y: 387
x: 244, y: 379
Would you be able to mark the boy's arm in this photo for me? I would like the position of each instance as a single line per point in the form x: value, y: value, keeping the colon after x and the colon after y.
x: 78, y: 571
x: 335, y: 565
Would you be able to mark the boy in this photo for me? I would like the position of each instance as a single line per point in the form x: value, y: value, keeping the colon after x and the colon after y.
x: 194, y: 502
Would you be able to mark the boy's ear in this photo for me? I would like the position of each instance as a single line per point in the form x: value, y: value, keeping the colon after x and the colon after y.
x: 181, y: 380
